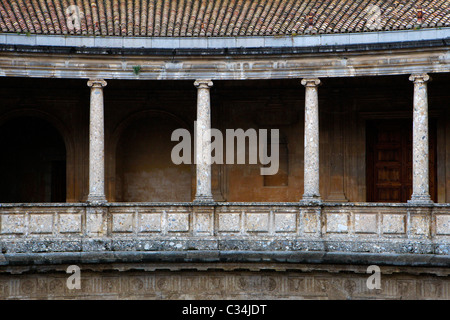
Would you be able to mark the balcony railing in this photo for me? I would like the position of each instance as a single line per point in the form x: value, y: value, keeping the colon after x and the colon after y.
x: 332, y: 227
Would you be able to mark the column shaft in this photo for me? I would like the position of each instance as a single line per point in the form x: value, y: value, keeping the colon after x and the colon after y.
x: 420, y: 176
x: 96, y: 143
x: 311, y: 156
x: 203, y: 141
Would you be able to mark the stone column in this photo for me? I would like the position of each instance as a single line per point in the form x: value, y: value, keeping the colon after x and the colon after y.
x: 311, y: 156
x: 420, y: 174
x: 203, y: 142
x: 96, y: 143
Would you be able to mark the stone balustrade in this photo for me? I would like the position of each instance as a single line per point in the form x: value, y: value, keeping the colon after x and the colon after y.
x: 348, y: 227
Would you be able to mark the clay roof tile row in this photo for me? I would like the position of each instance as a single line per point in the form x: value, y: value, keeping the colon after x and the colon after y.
x: 217, y: 18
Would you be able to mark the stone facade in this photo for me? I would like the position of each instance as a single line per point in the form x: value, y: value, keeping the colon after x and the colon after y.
x: 140, y: 226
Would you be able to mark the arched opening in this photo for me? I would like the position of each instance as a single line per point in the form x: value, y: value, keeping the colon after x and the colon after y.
x: 33, y: 162
x: 144, y: 168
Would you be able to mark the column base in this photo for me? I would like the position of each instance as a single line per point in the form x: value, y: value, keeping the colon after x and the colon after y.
x: 203, y: 199
x: 421, y: 200
x: 96, y: 199
x: 315, y: 200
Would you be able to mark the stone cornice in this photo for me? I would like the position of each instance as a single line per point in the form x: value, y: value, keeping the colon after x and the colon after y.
x: 222, y: 259
x: 14, y: 63
x: 229, y: 42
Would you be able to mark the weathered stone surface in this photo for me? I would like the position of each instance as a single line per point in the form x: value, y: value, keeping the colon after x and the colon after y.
x: 13, y: 223
x: 337, y: 223
x: 203, y: 142
x: 96, y: 143
x: 311, y: 137
x: 70, y: 223
x: 310, y: 65
x: 421, y: 184
x: 359, y: 228
x: 303, y: 283
x: 150, y: 222
x: 443, y: 224
x: 285, y: 222
x: 393, y: 224
x: 203, y: 217
x: 366, y: 223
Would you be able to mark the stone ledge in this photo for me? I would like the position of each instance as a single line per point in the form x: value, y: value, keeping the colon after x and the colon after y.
x: 210, y: 258
x: 221, y: 204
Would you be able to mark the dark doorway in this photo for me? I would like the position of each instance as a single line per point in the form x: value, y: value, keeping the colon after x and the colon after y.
x: 33, y: 162
x: 389, y: 160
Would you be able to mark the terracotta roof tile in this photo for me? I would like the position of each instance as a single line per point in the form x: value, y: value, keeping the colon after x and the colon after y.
x: 7, y: 25
x: 192, y: 18
x: 218, y: 18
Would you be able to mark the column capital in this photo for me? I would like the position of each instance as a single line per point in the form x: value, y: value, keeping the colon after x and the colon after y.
x: 420, y: 77
x: 203, y: 83
x: 311, y: 82
x: 96, y: 83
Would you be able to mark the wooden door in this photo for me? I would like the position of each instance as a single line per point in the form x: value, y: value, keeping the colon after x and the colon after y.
x: 389, y: 160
